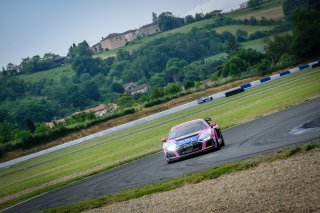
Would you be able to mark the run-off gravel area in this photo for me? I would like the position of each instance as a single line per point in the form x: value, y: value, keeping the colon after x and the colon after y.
x: 288, y: 185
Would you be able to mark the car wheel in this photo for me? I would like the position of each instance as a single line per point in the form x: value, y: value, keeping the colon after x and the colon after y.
x: 168, y: 159
x: 211, y: 98
x: 221, y: 138
x: 222, y: 143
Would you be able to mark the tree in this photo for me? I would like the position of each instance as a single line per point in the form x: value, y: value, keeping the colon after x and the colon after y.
x: 189, y: 19
x: 91, y: 90
x: 154, y: 18
x: 172, y: 88
x: 116, y: 87
x: 168, y: 21
x: 30, y: 125
x: 277, y: 46
x: 234, y: 66
x: 314, y: 4
x: 254, y: 3
x: 82, y: 49
x: 156, y: 92
x: 123, y: 55
x: 241, y: 35
x: 198, y: 16
x: 26, y: 65
x: 232, y: 44
x: 11, y: 69
x: 188, y: 84
x: 125, y: 101
x: 158, y: 80
x: 306, y: 33
x: 6, y: 130
x: 289, y: 6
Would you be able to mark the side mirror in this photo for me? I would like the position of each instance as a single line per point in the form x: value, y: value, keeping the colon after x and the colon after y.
x: 164, y: 140
x: 212, y: 124
x: 208, y: 119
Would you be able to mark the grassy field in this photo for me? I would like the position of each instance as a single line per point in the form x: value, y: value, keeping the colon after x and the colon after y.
x: 248, y: 28
x: 53, y: 74
x: 270, y: 10
x: 257, y: 44
x: 216, y: 57
x: 98, y: 154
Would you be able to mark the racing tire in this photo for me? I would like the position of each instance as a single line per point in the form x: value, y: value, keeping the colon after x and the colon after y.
x: 222, y: 143
x: 222, y: 139
x: 168, y: 160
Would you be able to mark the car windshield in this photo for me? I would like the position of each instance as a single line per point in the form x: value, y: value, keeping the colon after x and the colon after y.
x: 186, y: 129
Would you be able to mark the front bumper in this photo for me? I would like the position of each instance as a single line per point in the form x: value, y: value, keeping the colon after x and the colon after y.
x: 190, y: 149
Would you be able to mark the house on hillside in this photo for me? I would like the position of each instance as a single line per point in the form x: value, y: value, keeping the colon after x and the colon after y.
x: 140, y: 89
x: 116, y: 40
x: 97, y: 48
x: 149, y: 29
x: 243, y: 5
x: 113, y: 41
x: 132, y: 88
x: 99, y: 111
x: 129, y: 86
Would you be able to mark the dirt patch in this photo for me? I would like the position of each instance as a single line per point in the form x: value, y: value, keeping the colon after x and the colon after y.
x: 288, y: 185
x: 115, y: 122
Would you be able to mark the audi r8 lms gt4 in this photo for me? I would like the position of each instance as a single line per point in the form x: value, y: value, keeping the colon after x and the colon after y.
x: 204, y: 99
x: 192, y: 137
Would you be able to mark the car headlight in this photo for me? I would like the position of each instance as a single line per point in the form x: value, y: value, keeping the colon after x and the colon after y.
x: 171, y: 146
x: 205, y: 136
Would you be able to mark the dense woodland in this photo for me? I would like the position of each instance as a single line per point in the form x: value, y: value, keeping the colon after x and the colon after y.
x: 171, y: 65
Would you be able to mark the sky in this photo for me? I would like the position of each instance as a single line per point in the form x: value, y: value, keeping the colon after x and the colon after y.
x: 35, y: 27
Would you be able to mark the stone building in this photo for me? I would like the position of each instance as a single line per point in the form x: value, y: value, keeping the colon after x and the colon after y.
x: 149, y: 29
x: 116, y: 40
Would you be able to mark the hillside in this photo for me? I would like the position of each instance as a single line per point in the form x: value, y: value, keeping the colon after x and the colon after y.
x: 57, y: 73
x: 201, y: 24
x: 54, y: 75
x: 269, y: 10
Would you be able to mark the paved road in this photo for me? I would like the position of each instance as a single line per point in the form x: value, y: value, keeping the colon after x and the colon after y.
x: 259, y: 136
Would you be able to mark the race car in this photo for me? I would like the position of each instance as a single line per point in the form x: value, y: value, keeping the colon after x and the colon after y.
x: 192, y: 137
x: 204, y: 99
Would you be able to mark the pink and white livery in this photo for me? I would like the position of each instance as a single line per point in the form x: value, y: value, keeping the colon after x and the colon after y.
x: 192, y: 137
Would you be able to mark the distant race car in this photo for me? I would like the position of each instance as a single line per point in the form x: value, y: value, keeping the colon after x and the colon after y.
x: 204, y: 99
x: 192, y: 137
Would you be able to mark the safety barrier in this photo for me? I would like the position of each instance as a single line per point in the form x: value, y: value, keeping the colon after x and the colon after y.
x: 234, y: 92
x: 281, y: 74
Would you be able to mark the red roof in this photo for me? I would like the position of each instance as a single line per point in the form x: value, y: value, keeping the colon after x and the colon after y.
x: 96, y: 109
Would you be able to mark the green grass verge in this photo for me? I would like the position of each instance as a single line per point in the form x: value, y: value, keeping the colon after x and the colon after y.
x: 178, y: 182
x: 98, y: 153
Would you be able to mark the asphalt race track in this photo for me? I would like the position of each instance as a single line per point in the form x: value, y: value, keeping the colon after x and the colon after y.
x: 260, y: 136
